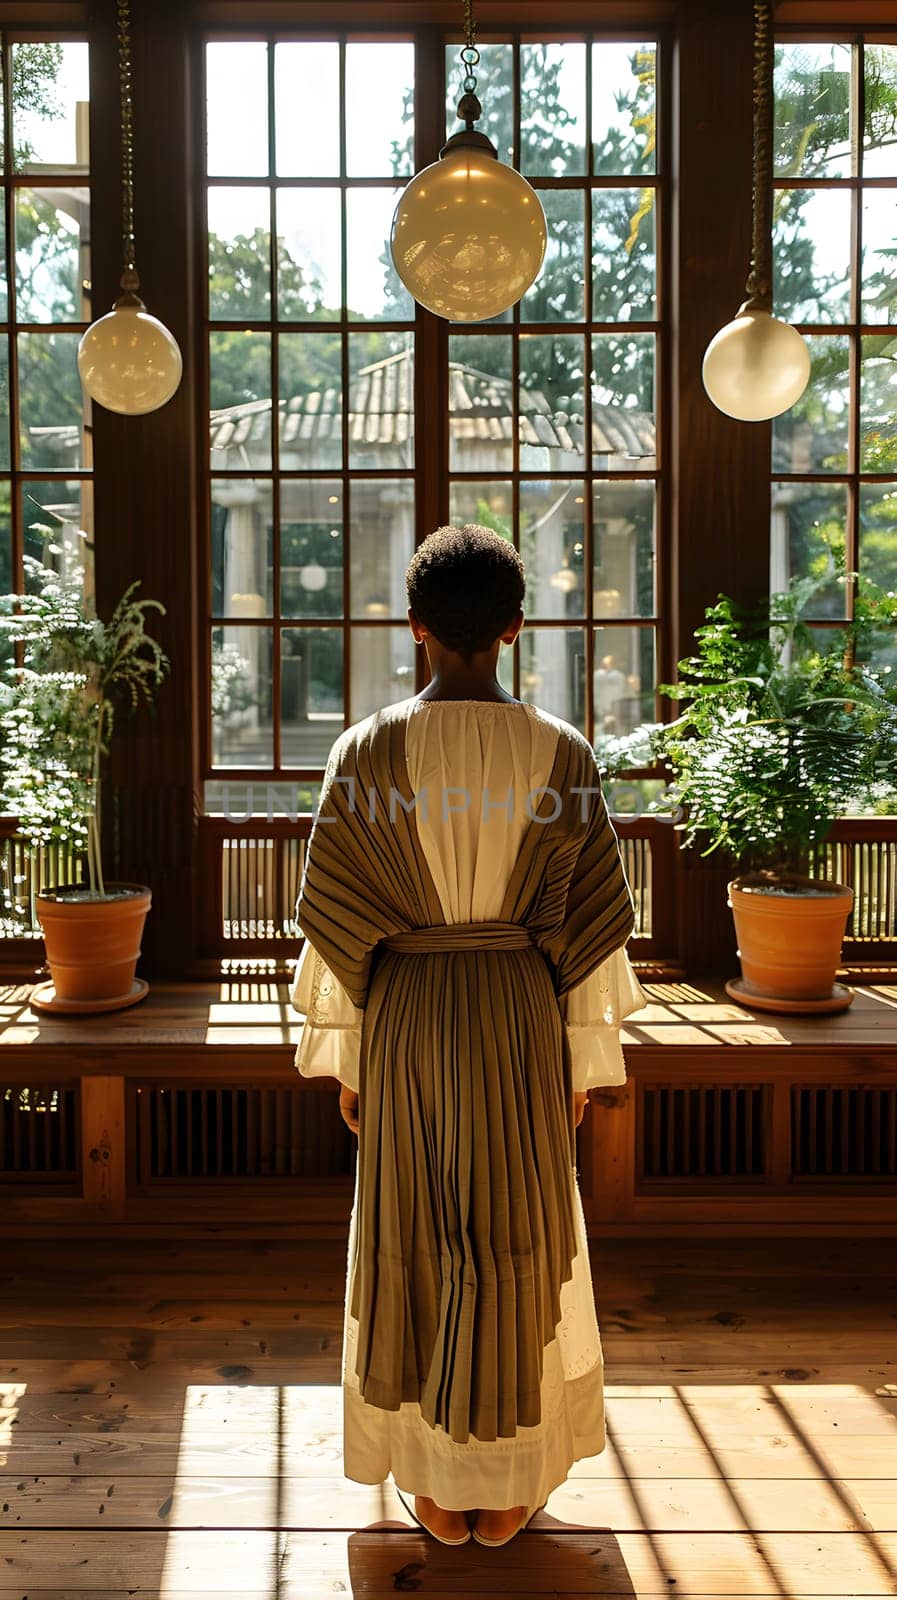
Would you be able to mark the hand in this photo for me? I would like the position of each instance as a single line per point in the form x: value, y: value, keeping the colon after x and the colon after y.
x: 580, y: 1101
x: 348, y: 1105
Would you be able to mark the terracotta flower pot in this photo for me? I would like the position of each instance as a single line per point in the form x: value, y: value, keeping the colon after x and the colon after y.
x: 92, y: 947
x: 790, y: 929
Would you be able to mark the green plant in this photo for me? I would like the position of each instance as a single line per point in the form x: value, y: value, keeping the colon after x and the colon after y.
x: 786, y: 726
x: 58, y: 705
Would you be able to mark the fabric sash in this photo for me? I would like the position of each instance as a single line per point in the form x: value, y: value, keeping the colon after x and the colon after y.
x: 483, y: 935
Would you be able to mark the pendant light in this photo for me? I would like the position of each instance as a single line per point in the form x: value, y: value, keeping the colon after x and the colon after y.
x: 757, y: 367
x: 128, y: 360
x: 468, y: 235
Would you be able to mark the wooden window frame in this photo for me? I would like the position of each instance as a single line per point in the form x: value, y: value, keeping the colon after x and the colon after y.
x: 854, y: 330
x: 432, y: 473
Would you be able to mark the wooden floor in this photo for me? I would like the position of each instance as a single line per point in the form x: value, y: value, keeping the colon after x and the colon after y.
x: 171, y: 1426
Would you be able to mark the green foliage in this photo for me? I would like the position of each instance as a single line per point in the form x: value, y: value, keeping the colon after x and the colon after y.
x: 35, y: 74
x: 783, y: 730
x: 58, y: 707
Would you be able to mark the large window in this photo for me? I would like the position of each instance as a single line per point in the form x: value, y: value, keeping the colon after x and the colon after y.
x: 835, y: 452
x: 45, y: 440
x: 552, y: 415
x: 552, y: 424
x: 312, y: 521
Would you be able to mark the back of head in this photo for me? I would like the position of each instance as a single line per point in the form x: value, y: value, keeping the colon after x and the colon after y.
x: 466, y: 586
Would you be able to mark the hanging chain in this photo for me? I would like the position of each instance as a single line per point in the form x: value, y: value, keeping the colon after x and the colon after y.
x: 129, y: 280
x: 469, y: 108
x: 759, y: 282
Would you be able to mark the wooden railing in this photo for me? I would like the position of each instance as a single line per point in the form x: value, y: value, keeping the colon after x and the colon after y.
x: 250, y: 873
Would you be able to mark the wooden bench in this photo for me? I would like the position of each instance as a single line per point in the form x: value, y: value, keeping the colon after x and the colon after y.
x: 186, y: 1114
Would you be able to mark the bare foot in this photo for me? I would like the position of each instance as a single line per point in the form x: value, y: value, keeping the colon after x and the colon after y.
x: 498, y: 1524
x: 448, y: 1524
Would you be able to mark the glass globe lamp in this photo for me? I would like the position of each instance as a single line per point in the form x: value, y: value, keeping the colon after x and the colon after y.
x: 756, y: 367
x: 468, y: 235
x: 128, y: 361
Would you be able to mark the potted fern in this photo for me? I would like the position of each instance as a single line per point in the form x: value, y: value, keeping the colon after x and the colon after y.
x: 786, y: 729
x: 58, y: 708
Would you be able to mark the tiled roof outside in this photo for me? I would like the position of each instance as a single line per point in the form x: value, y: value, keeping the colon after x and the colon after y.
x: 381, y: 403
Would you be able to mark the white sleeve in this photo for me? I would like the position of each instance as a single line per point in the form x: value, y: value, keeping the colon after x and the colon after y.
x: 592, y: 1013
x: 330, y: 1044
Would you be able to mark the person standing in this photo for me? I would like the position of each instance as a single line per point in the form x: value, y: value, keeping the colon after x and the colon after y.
x: 465, y: 912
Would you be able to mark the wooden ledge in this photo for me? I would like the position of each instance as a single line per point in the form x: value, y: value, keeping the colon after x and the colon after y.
x: 243, y: 1013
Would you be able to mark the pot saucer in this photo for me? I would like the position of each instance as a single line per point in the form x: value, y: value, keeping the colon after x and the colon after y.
x: 839, y: 999
x: 44, y: 998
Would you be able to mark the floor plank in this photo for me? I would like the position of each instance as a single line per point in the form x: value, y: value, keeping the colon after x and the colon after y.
x: 170, y: 1425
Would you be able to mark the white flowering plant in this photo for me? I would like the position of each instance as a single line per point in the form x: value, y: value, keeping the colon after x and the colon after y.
x: 59, y: 693
x: 787, y: 726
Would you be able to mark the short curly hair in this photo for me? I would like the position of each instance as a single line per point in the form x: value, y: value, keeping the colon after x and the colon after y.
x: 466, y: 585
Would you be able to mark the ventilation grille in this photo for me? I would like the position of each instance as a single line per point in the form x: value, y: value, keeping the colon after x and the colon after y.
x: 843, y: 1131
x: 638, y: 866
x: 869, y: 866
x: 39, y: 1133
x: 236, y: 1133
x: 702, y: 1131
x: 23, y: 874
x: 259, y: 884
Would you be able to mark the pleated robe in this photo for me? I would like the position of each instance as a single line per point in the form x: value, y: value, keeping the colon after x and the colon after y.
x: 465, y: 1223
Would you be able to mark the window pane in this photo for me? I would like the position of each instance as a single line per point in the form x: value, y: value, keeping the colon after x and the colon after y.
x: 382, y: 540
x: 812, y: 110
x: 878, y: 422
x: 382, y: 668
x: 65, y: 509
x: 623, y: 520
x: 480, y: 403
x: 52, y: 255
x: 811, y: 255
x: 241, y: 697
x: 237, y: 76
x: 623, y: 258
x: 880, y: 132
x: 813, y: 435
x: 311, y: 399
x: 240, y: 374
x: 552, y: 541
x: 381, y: 400
x: 379, y: 110
x: 50, y: 97
x: 311, y: 694
x: 552, y: 401
x: 5, y: 539
x: 51, y: 403
x: 623, y: 433
x: 241, y: 548
x: 552, y: 109
x: 808, y: 522
x: 239, y: 254
x: 309, y: 254
x: 374, y: 290
x: 558, y: 294
x: 4, y: 288
x: 306, y: 102
x: 878, y: 533
x: 879, y: 256
x: 495, y: 89
x: 489, y: 504
x: 311, y: 547
x: 624, y: 107
x: 552, y: 672
x: 5, y: 457
x: 624, y: 678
